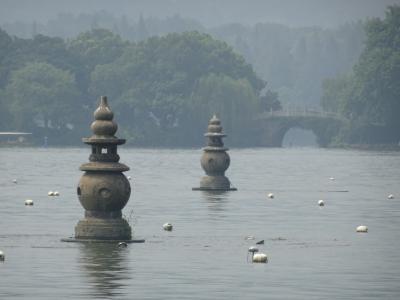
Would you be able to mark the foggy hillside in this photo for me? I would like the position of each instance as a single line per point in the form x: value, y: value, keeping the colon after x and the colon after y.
x: 295, y: 13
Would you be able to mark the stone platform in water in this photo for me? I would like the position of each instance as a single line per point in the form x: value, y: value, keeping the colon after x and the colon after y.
x: 213, y: 189
x: 75, y: 240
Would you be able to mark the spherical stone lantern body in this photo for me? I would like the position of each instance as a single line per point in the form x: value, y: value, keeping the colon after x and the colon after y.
x: 215, y: 162
x: 102, y: 191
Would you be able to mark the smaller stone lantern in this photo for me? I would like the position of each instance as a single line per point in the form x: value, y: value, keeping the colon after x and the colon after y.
x: 215, y: 161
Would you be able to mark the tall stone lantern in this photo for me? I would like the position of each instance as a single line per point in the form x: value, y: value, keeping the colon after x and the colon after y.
x: 215, y: 161
x: 103, y: 189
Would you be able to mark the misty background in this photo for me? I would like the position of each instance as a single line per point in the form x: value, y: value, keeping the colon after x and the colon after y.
x: 292, y: 46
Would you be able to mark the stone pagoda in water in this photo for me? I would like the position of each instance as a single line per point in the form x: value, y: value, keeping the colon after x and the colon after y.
x: 103, y: 189
x: 215, y: 161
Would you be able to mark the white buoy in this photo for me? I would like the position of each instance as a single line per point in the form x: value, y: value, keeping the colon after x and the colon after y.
x: 362, y: 228
x: 28, y: 202
x: 122, y: 245
x: 56, y: 193
x: 50, y: 193
x: 2, y: 256
x: 271, y: 196
x: 331, y: 178
x: 390, y: 196
x: 167, y: 227
x: 15, y: 181
x: 321, y: 202
x: 260, y: 258
x: 129, y: 177
x: 249, y: 237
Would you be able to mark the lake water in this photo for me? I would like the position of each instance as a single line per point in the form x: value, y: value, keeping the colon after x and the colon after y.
x: 314, y: 252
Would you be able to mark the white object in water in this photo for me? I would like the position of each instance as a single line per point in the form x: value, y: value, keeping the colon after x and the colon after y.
x: 362, y: 228
x: 56, y: 193
x: 167, y: 226
x: 331, y: 178
x: 28, y: 202
x: 50, y: 193
x: 129, y: 177
x: 15, y: 181
x: 321, y: 202
x: 249, y: 237
x: 260, y: 258
x: 2, y: 256
x: 271, y: 196
x: 253, y: 249
x: 390, y: 196
x: 122, y: 245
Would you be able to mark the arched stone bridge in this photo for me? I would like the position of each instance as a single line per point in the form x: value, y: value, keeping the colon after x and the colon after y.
x: 271, y: 127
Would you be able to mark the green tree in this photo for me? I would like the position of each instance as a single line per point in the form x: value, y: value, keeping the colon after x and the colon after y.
x: 92, y: 48
x: 370, y: 97
x: 42, y: 95
x: 154, y: 81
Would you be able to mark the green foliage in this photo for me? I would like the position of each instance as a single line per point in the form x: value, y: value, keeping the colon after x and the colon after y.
x: 370, y: 97
x: 42, y: 95
x: 270, y: 101
x: 157, y: 82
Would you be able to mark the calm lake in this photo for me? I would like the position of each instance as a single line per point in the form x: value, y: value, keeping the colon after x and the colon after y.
x: 314, y: 252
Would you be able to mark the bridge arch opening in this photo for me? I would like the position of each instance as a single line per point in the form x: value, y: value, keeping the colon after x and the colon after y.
x: 299, y: 137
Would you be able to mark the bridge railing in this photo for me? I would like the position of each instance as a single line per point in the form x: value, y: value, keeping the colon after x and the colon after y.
x: 300, y: 112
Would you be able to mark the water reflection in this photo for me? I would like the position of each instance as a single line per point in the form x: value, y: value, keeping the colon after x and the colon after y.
x: 107, y: 269
x: 216, y: 200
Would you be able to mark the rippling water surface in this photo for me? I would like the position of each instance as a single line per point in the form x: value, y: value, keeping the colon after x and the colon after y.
x: 314, y: 252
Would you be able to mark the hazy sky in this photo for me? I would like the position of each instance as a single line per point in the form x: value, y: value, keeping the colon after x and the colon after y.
x: 326, y: 13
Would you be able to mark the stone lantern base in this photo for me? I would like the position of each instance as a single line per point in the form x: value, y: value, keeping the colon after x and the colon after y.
x: 103, y: 229
x: 214, y: 183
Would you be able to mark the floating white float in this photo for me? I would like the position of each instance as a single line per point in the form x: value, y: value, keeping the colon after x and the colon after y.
x: 253, y: 249
x: 362, y: 228
x: 260, y: 258
x: 167, y: 226
x: 271, y: 196
x: 56, y: 193
x: 28, y: 202
x: 249, y: 237
x: 50, y: 193
x: 390, y: 196
x: 15, y: 181
x: 321, y: 202
x: 331, y: 178
x: 122, y: 245
x: 129, y: 177
x: 2, y: 256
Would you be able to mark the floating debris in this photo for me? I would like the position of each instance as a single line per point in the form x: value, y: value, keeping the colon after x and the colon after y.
x: 260, y: 258
x: 56, y: 193
x: 321, y: 202
x: 2, y: 256
x: 390, y: 196
x: 249, y: 237
x: 122, y: 245
x: 271, y: 196
x: 15, y: 181
x: 129, y: 177
x: 260, y: 242
x: 28, y: 202
x: 362, y: 228
x: 50, y: 193
x: 253, y: 249
x: 167, y: 227
x: 331, y: 178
